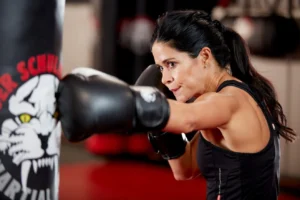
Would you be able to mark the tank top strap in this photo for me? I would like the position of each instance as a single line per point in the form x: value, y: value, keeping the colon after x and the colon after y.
x: 242, y: 86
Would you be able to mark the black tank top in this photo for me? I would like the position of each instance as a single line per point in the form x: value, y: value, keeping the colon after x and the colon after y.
x: 237, y: 176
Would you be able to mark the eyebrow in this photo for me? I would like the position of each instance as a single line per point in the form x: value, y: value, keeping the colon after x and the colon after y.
x: 166, y: 60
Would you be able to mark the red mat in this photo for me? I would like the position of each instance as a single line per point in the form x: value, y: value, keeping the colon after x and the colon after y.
x: 127, y: 180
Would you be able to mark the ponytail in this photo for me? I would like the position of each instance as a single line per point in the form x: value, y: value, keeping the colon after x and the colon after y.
x: 242, y: 69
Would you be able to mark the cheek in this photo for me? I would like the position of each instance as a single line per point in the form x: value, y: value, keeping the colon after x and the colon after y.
x: 181, y: 75
x: 194, y: 81
x: 177, y: 75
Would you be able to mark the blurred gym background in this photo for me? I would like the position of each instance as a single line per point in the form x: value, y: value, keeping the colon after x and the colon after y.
x: 112, y: 36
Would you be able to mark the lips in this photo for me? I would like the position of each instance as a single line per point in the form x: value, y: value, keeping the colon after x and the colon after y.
x: 174, y: 90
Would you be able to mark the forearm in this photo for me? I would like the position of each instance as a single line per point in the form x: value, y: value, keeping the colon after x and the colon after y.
x: 181, y: 118
x: 182, y: 167
x: 185, y: 167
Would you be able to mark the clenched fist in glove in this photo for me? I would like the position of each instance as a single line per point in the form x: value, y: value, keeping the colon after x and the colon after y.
x: 90, y: 101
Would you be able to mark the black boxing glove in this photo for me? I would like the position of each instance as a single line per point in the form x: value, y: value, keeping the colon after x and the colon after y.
x: 90, y: 101
x: 168, y: 145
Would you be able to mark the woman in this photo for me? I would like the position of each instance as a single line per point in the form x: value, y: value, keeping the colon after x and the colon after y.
x: 236, y: 112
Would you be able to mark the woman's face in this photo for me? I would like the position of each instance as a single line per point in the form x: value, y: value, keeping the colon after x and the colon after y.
x: 183, y: 75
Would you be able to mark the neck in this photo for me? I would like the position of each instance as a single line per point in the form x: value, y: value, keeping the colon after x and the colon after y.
x: 217, y: 80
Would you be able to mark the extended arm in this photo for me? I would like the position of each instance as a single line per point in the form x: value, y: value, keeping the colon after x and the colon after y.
x: 91, y: 101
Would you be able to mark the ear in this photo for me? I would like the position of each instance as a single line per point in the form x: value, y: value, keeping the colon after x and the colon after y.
x: 205, y: 55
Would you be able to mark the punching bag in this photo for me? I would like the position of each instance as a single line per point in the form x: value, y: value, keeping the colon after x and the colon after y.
x: 30, y: 69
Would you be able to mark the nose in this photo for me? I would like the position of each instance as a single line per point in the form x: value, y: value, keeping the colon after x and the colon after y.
x: 166, y: 77
x: 44, y: 140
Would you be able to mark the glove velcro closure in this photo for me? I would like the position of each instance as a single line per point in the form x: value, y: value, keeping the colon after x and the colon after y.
x: 152, y: 109
x: 168, y: 145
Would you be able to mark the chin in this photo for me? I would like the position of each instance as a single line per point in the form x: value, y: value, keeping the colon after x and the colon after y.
x: 181, y: 99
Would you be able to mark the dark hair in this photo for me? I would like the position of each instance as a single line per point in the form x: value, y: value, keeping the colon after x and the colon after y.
x: 189, y: 31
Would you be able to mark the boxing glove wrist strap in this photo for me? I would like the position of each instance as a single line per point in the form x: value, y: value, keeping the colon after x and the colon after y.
x: 168, y: 145
x: 152, y: 109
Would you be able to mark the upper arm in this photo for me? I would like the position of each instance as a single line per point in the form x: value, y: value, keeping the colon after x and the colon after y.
x: 214, y: 110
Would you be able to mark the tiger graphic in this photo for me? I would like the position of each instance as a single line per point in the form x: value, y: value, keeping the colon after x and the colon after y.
x: 30, y: 139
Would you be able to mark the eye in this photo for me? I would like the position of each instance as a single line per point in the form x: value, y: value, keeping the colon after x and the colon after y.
x: 171, y: 64
x: 55, y: 115
x: 25, y: 118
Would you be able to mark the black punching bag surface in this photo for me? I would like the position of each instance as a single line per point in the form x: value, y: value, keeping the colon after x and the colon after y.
x: 30, y: 69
